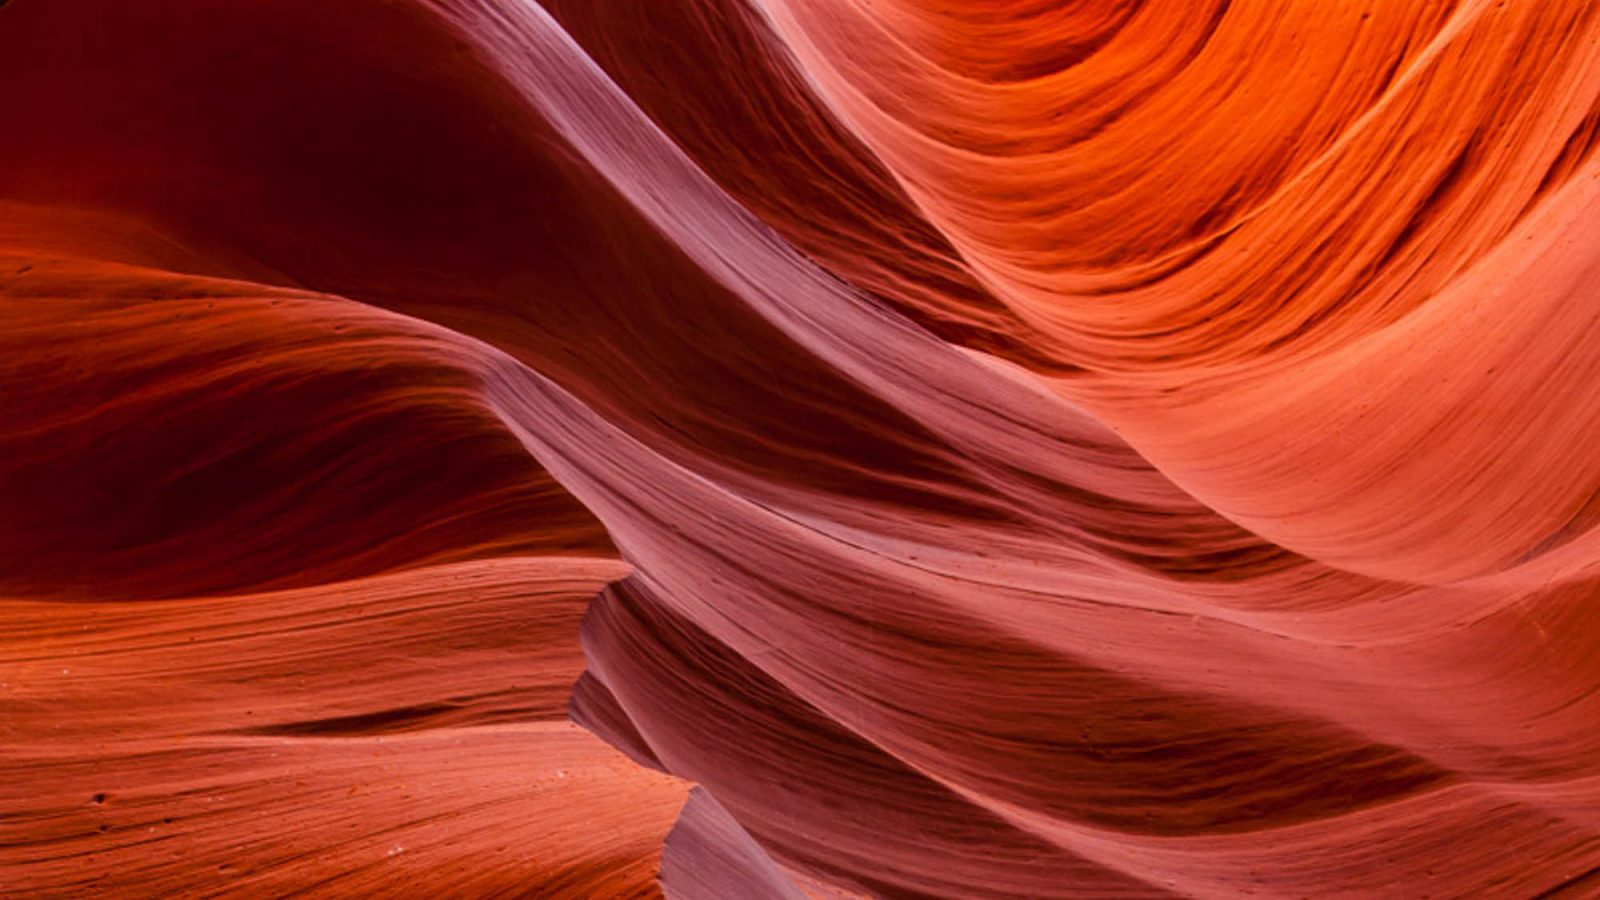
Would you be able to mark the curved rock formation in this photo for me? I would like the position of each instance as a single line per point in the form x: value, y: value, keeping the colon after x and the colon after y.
x: 966, y: 449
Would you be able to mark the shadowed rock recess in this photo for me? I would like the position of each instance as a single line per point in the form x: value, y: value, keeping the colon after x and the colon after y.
x: 800, y: 448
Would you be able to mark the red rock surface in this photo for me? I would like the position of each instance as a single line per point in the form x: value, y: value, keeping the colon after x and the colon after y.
x: 742, y: 448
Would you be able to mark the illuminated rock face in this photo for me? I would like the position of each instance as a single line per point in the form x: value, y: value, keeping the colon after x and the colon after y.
x: 996, y: 448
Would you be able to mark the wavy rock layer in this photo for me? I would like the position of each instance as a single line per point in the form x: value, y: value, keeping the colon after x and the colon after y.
x: 993, y: 449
